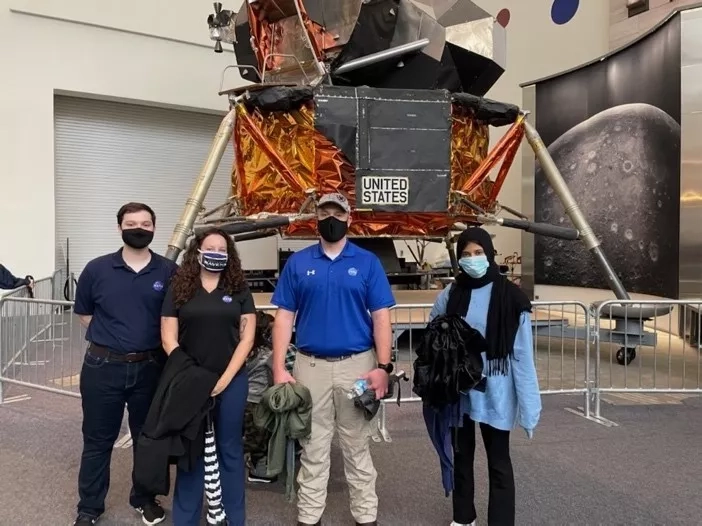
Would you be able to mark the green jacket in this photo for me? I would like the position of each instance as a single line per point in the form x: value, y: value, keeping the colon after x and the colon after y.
x: 285, y: 411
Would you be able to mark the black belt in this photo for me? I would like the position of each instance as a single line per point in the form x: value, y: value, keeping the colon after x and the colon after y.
x: 132, y: 357
x: 329, y: 358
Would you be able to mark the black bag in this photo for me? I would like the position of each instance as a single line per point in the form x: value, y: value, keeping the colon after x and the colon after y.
x: 448, y: 362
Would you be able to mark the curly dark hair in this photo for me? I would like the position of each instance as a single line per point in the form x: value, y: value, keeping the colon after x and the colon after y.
x: 186, y: 280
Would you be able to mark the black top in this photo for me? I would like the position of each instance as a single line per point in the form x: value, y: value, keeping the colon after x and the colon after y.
x: 208, y: 325
x: 125, y: 305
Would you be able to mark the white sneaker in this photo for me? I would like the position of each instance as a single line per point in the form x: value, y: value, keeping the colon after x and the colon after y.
x: 474, y: 523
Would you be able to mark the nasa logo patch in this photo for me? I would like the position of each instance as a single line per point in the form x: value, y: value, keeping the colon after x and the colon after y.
x: 352, y: 271
x: 158, y: 286
x: 227, y: 299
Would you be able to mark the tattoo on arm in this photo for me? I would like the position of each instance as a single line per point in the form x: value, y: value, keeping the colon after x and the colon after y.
x: 242, y: 326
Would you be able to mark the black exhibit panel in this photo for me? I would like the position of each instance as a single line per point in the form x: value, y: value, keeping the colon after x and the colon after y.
x: 613, y: 130
x: 399, y: 141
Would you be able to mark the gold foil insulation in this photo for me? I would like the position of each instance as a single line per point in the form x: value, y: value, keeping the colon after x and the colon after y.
x: 279, y: 156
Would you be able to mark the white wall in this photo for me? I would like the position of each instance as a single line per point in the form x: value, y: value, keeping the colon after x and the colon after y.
x: 154, y: 52
x: 624, y: 29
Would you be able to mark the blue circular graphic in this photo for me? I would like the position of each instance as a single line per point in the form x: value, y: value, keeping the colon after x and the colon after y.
x: 158, y: 286
x: 227, y: 299
x: 563, y: 11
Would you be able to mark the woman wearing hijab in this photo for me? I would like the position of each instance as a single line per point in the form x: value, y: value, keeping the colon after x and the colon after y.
x: 500, y: 311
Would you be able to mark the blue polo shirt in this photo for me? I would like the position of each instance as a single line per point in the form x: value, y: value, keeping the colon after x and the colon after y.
x: 125, y: 305
x: 333, y: 299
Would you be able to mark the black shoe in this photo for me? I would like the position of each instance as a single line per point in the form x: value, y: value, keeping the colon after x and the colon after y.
x: 253, y: 477
x: 85, y: 520
x: 152, y: 513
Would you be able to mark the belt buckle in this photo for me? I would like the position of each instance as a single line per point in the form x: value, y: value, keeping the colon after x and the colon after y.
x: 339, y: 358
x: 131, y: 357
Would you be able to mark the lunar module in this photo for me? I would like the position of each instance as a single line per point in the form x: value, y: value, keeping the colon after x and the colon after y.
x: 380, y: 100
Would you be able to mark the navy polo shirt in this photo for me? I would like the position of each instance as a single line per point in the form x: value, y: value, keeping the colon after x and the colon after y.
x: 333, y: 299
x: 125, y: 305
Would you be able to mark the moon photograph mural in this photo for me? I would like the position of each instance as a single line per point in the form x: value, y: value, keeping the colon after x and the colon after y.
x: 621, y: 165
x: 613, y: 130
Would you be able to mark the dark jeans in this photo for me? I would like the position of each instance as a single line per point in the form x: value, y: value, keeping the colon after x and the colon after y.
x: 229, y: 430
x: 105, y: 388
x: 501, y: 501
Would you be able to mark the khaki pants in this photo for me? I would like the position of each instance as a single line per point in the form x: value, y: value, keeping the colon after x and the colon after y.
x: 329, y: 383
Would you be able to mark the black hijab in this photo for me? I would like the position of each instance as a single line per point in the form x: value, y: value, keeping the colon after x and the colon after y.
x: 507, y: 302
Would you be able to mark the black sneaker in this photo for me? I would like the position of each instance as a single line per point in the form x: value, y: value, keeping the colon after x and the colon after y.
x: 152, y: 513
x: 85, y: 520
x: 253, y: 477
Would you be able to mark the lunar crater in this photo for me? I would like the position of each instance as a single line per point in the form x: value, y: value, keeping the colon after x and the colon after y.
x: 622, y: 196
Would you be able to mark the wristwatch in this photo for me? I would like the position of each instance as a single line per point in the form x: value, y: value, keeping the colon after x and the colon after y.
x: 387, y: 367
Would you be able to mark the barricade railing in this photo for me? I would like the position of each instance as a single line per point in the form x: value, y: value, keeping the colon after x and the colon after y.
x: 43, y: 288
x: 41, y: 345
x: 576, y: 348
x: 651, y: 346
x: 17, y: 327
x: 560, y: 343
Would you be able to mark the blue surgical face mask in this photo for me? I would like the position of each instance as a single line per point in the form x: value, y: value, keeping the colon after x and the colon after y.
x: 213, y: 261
x: 474, y: 266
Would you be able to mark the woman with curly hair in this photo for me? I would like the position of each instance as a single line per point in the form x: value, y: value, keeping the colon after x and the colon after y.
x: 209, y: 313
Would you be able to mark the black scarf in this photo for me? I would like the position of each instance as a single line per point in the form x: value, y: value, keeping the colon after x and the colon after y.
x: 507, y: 302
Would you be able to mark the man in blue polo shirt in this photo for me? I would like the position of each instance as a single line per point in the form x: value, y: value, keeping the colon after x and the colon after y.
x: 342, y: 298
x: 119, y: 299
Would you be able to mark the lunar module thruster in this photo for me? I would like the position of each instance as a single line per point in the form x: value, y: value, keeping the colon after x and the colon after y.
x: 380, y: 100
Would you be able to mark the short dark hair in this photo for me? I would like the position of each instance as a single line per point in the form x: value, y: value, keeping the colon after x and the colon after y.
x: 130, y: 208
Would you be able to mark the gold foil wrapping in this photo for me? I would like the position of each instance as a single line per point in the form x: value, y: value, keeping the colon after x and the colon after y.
x: 279, y: 156
x: 277, y: 36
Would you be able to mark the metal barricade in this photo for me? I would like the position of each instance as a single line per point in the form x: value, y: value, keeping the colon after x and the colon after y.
x: 647, y: 347
x: 561, y: 345
x: 658, y: 344
x: 41, y: 345
x: 560, y: 342
x: 16, y: 329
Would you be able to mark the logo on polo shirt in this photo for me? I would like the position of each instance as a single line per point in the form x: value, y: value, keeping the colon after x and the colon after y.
x: 158, y: 286
x: 310, y: 272
x: 352, y: 271
x: 227, y: 299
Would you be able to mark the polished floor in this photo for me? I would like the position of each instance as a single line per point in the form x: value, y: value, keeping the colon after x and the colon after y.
x: 644, y: 471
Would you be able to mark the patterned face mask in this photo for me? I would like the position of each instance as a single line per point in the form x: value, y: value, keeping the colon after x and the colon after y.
x: 213, y: 261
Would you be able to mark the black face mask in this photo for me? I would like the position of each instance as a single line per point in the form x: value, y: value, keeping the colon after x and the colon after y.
x: 137, y: 238
x: 332, y: 229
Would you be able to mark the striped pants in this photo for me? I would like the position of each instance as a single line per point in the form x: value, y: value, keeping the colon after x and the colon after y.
x: 190, y: 486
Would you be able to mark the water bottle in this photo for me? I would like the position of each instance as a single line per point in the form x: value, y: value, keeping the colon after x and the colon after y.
x: 359, y: 387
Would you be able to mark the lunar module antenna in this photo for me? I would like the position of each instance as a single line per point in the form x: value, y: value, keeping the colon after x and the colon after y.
x: 221, y: 25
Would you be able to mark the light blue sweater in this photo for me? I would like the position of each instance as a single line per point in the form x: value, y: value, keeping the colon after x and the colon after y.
x: 509, y: 400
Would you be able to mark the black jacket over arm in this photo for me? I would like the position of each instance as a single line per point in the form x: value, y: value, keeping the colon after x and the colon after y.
x: 174, y: 429
x: 9, y: 282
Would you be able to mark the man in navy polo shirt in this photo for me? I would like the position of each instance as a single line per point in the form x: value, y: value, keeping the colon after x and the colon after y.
x: 342, y: 298
x: 119, y: 299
